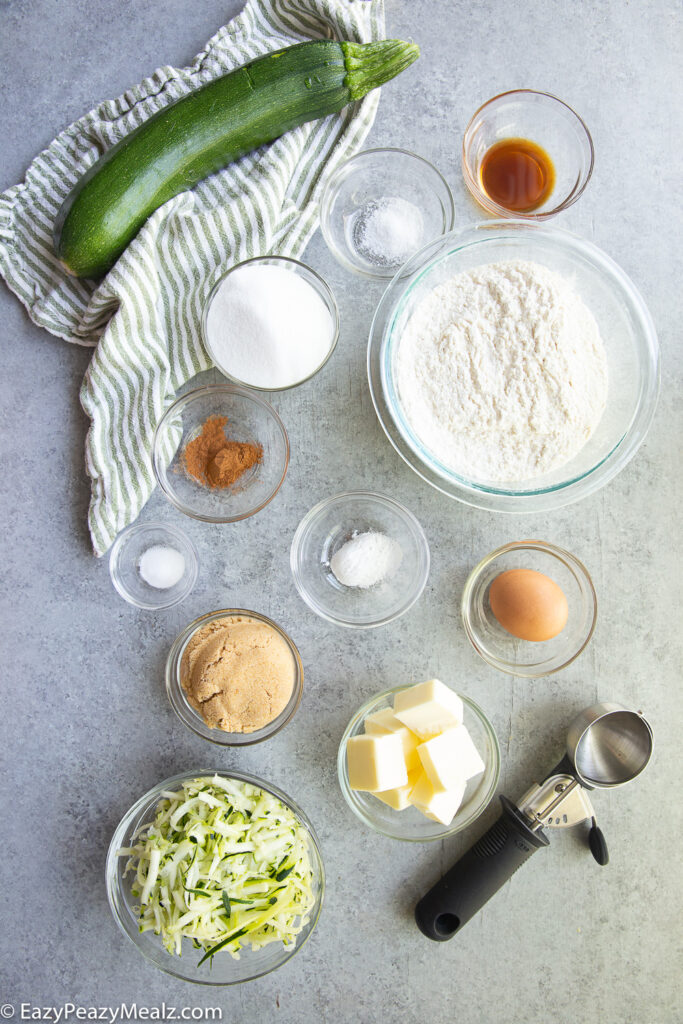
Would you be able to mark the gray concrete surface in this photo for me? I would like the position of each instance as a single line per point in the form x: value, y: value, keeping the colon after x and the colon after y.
x: 85, y: 723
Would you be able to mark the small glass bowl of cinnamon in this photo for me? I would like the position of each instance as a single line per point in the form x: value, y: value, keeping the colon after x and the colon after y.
x: 220, y: 453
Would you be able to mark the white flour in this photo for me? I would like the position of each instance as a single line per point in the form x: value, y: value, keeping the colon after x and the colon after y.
x: 501, y: 372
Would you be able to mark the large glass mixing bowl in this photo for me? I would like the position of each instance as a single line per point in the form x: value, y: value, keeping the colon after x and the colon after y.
x: 627, y: 331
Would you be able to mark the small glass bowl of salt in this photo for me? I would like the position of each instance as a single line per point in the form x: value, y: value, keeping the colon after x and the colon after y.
x: 381, y: 206
x: 153, y: 565
x: 360, y: 559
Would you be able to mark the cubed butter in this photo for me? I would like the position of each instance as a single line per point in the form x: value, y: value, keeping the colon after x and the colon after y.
x: 429, y: 708
x: 376, y: 763
x: 382, y: 723
x: 399, y: 798
x: 440, y: 806
x: 379, y: 723
x: 450, y: 757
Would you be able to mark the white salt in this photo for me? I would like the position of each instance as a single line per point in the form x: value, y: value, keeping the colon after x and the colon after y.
x: 388, y: 231
x: 268, y: 327
x: 161, y: 567
x: 366, y: 559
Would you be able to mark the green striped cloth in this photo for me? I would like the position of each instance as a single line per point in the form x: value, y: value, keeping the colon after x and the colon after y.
x: 144, y: 317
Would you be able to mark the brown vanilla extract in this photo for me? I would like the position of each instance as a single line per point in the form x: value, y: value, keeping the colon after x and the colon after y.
x: 517, y: 174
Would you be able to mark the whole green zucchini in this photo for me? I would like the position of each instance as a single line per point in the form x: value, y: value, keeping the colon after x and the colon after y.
x: 206, y: 130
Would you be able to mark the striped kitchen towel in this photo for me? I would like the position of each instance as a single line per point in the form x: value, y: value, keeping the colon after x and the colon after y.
x: 144, y: 317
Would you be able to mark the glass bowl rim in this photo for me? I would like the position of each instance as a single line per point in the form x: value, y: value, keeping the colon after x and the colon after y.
x: 448, y: 830
x: 187, y: 714
x: 539, y: 499
x: 490, y: 204
x: 331, y: 189
x: 571, y: 562
x: 382, y: 499
x: 154, y: 793
x: 179, y: 403
x: 141, y: 527
x: 324, y: 291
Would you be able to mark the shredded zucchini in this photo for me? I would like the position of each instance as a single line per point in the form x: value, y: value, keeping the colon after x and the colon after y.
x: 225, y: 864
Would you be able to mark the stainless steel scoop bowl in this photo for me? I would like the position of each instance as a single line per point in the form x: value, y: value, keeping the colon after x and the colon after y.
x: 609, y: 745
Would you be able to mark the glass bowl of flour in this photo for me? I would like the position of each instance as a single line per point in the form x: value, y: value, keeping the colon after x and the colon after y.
x: 513, y: 366
x: 360, y: 559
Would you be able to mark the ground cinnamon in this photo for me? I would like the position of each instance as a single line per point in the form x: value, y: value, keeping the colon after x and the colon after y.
x: 214, y: 461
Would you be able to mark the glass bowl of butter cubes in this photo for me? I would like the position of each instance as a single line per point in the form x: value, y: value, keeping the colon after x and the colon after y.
x: 419, y: 762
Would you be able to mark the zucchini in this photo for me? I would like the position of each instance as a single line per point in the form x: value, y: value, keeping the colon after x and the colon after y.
x: 208, y: 129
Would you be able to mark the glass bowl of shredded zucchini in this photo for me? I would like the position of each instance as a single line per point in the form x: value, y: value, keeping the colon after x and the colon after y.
x: 216, y: 878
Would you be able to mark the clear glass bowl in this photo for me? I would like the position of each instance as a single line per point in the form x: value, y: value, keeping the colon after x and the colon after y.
x: 523, y: 657
x: 308, y: 275
x: 192, y: 719
x: 540, y: 118
x: 124, y: 561
x: 410, y: 824
x: 225, y: 970
x: 326, y: 528
x: 369, y: 177
x: 250, y: 419
x: 628, y: 334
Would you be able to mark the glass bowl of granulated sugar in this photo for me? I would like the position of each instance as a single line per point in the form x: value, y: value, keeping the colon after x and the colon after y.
x: 381, y: 206
x: 359, y: 559
x: 513, y: 366
x: 270, y: 323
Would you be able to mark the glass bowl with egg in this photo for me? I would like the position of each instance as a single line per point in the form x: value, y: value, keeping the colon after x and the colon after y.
x: 411, y: 824
x: 360, y: 559
x: 234, y: 677
x: 431, y: 428
x: 529, y: 608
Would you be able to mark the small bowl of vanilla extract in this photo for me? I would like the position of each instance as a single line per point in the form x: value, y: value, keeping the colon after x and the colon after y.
x: 526, y: 154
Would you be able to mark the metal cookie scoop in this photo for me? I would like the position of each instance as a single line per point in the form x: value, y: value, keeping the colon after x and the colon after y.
x: 607, y: 745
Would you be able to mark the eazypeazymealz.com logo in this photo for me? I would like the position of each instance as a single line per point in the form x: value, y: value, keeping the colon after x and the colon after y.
x: 111, y: 1014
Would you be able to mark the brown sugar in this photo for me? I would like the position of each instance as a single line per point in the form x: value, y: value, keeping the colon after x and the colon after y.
x: 214, y: 461
x: 238, y: 673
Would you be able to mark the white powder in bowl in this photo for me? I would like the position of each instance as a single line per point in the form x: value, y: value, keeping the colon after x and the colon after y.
x: 366, y: 559
x: 387, y: 231
x: 268, y: 327
x: 161, y: 567
x: 502, y: 373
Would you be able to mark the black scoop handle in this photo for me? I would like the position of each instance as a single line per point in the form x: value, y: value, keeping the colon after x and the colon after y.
x: 479, y: 873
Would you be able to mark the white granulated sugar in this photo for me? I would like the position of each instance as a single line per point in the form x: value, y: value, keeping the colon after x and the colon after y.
x: 366, y: 559
x: 268, y: 327
x: 502, y: 373
x: 388, y: 231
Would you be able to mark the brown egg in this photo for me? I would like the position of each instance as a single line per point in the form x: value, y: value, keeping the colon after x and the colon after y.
x: 528, y: 604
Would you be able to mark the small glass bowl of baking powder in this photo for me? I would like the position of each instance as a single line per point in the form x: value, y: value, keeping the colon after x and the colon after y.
x: 398, y: 555
x: 153, y: 565
x: 381, y: 206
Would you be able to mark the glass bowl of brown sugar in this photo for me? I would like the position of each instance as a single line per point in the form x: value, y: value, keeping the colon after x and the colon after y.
x: 220, y: 453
